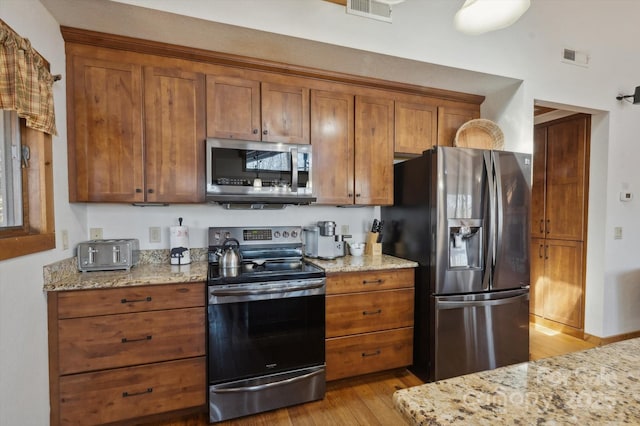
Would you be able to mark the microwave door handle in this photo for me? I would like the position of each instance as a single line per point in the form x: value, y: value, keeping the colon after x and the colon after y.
x: 294, y: 169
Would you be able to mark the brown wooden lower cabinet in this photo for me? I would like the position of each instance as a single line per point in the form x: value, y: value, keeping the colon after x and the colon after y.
x: 369, y: 322
x: 126, y: 393
x: 141, y: 353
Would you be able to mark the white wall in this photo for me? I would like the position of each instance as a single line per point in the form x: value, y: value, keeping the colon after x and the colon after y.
x: 24, y: 380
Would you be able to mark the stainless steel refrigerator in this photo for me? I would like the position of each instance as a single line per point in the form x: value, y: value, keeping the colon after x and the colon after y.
x: 463, y: 215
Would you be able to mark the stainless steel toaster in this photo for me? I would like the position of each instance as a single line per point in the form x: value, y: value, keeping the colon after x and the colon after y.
x: 108, y: 255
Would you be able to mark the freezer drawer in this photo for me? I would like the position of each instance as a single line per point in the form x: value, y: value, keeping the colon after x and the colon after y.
x: 477, y: 332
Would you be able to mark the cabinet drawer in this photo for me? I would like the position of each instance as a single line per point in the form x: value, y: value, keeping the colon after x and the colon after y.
x: 109, y: 341
x: 84, y: 303
x: 365, y: 312
x: 350, y: 282
x: 367, y: 353
x: 125, y: 393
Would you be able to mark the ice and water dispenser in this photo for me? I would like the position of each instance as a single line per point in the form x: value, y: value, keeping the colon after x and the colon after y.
x: 465, y: 243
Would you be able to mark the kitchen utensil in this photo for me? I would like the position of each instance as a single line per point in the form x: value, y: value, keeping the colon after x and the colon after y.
x: 230, y: 258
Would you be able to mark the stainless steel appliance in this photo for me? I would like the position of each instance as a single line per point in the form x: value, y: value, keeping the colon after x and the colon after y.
x: 258, y: 175
x: 266, y: 323
x: 321, y: 241
x: 463, y: 215
x: 108, y: 255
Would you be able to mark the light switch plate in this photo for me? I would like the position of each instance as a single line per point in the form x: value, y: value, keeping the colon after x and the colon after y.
x: 617, y: 233
x: 95, y: 233
x: 155, y: 235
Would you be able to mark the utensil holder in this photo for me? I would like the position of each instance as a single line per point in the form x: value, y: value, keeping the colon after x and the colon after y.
x: 372, y: 247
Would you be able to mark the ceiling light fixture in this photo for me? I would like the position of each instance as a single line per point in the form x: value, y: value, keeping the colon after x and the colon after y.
x: 481, y: 16
x: 635, y: 96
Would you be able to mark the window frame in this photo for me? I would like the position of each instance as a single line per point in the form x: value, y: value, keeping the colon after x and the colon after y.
x: 37, y: 232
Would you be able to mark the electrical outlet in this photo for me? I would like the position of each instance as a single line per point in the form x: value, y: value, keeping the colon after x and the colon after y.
x: 617, y: 233
x: 344, y: 229
x: 95, y: 233
x: 155, y: 235
x: 65, y: 239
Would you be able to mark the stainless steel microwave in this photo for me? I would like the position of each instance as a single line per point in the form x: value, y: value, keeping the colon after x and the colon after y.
x: 257, y: 173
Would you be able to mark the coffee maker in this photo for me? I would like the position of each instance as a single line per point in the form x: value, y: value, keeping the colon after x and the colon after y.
x: 321, y: 241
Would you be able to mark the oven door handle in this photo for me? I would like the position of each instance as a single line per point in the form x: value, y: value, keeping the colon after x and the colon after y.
x: 271, y: 290
x: 268, y: 385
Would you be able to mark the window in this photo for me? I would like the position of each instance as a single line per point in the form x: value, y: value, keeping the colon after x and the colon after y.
x: 10, y: 171
x: 26, y: 189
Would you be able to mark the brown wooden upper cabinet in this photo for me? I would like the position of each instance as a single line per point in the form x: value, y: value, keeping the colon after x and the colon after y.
x: 450, y: 118
x: 239, y: 108
x: 416, y: 127
x: 558, y: 206
x: 110, y: 160
x: 352, y: 138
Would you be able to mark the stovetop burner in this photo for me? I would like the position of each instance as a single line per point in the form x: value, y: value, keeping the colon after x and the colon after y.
x: 250, y: 272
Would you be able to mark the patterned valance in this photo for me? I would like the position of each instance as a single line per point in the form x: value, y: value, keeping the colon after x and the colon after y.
x: 26, y: 85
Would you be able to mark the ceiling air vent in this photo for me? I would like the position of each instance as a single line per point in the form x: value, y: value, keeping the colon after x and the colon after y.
x: 374, y: 9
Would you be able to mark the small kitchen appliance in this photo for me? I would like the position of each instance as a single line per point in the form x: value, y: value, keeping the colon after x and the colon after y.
x: 108, y: 255
x: 266, y: 322
x: 321, y: 241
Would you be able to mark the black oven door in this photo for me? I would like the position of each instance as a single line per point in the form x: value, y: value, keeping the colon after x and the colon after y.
x: 258, y: 337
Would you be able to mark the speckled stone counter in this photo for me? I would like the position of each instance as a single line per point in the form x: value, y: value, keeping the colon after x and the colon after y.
x: 363, y: 263
x: 597, y: 386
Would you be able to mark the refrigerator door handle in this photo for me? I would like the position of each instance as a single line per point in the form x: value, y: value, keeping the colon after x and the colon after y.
x: 489, y: 255
x: 499, y: 218
x: 444, y: 304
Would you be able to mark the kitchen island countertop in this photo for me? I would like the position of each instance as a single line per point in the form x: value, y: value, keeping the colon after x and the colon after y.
x: 595, y: 386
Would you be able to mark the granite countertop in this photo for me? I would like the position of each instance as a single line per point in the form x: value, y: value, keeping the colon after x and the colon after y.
x: 155, y: 269
x: 363, y: 263
x: 596, y: 386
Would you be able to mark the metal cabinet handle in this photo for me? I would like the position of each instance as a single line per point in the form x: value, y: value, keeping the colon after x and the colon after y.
x: 378, y: 281
x: 548, y: 226
x: 378, y: 312
x: 546, y: 252
x: 265, y: 132
x: 540, y: 255
x: 542, y: 226
x: 138, y: 190
x: 142, y: 339
x: 357, y: 195
x: 365, y: 354
x: 150, y: 191
x: 255, y: 131
x: 144, y: 392
x: 146, y: 299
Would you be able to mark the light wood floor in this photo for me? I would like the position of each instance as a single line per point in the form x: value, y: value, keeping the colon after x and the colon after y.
x: 367, y: 400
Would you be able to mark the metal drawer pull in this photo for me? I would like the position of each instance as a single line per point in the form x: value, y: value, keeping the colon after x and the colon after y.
x: 378, y: 281
x: 146, y: 299
x: 127, y: 394
x: 125, y: 340
x: 378, y: 312
x: 377, y: 352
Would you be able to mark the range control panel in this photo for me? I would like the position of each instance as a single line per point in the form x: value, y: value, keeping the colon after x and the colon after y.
x: 275, y: 235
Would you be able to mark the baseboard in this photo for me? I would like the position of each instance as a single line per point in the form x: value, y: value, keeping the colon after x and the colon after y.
x: 600, y: 341
x: 556, y: 326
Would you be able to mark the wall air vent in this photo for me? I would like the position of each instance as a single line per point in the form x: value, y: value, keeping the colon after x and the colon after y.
x: 374, y: 9
x: 575, y: 57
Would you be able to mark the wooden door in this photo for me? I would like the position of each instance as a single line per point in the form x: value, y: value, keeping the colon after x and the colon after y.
x: 416, y: 127
x: 332, y: 134
x: 450, y: 119
x: 538, y: 183
x: 233, y: 108
x: 285, y: 113
x: 105, y: 131
x: 175, y: 134
x: 564, y: 289
x: 537, y: 287
x: 373, y: 151
x: 565, y: 190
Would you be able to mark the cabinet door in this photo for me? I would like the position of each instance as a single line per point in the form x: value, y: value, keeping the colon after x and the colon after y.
x: 105, y: 131
x: 332, y: 142
x: 415, y: 127
x: 563, y: 299
x: 450, y: 119
x: 175, y: 134
x: 374, y: 151
x: 566, y: 160
x: 233, y: 108
x: 538, y: 183
x: 537, y: 287
x: 285, y: 113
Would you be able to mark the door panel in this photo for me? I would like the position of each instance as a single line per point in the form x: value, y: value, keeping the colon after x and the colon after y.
x: 233, y: 108
x: 563, y: 299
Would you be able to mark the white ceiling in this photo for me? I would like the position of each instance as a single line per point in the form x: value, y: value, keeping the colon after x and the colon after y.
x: 133, y: 21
